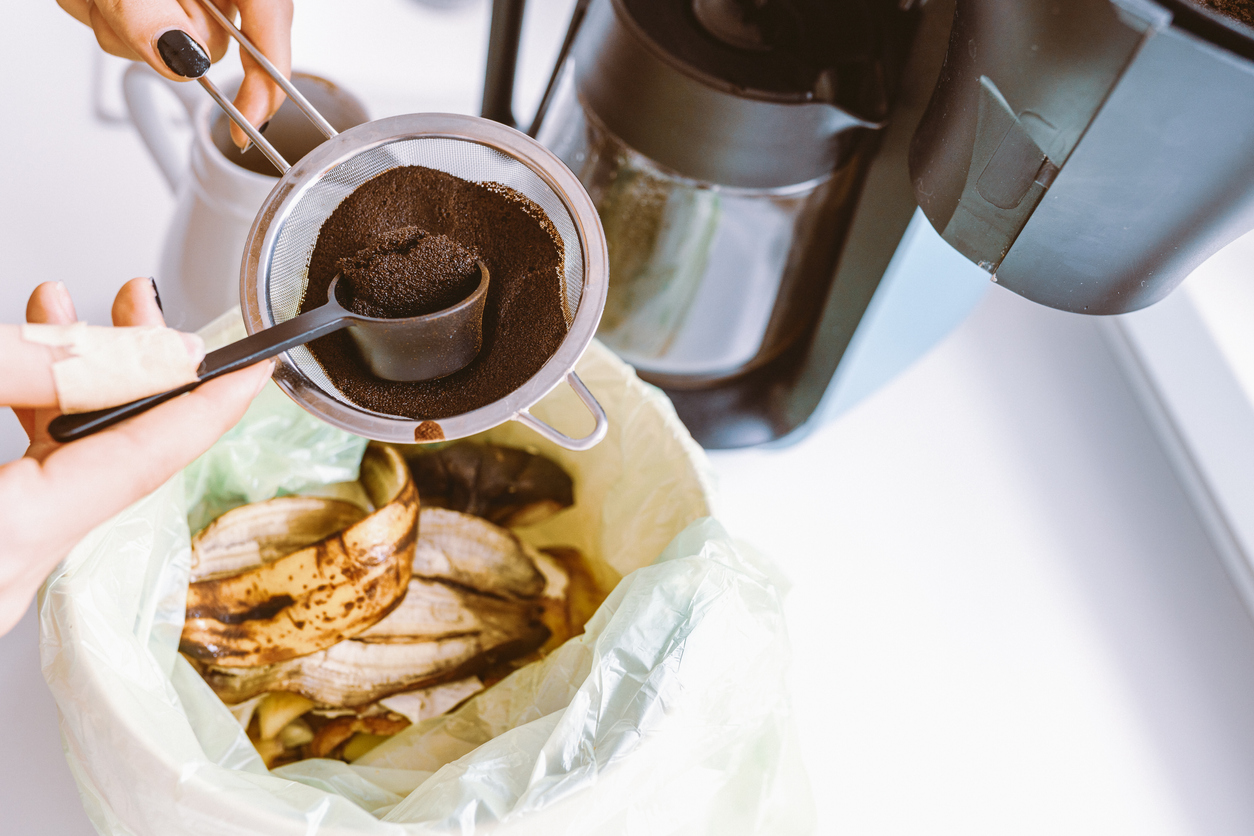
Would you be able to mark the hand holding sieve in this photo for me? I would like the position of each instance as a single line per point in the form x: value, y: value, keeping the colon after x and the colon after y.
x: 407, y: 349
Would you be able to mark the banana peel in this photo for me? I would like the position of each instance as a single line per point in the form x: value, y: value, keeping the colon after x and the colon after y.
x: 470, y: 551
x: 306, y: 601
x: 343, y: 728
x: 278, y: 709
x: 354, y: 673
x: 260, y: 533
x: 476, y: 599
x: 571, y: 596
x: 583, y: 595
x: 434, y: 610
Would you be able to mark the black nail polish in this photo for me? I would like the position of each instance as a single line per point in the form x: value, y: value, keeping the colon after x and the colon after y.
x: 263, y: 127
x: 156, y: 294
x: 182, y: 54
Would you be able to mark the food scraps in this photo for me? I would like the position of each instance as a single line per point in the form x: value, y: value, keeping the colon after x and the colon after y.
x: 476, y: 604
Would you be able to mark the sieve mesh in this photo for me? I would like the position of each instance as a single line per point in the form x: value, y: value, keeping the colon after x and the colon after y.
x: 287, y: 275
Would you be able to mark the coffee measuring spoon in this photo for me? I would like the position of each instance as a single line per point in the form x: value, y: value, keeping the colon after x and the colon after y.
x: 405, y: 349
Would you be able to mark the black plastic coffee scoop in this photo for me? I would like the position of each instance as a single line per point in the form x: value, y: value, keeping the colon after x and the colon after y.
x: 407, y: 349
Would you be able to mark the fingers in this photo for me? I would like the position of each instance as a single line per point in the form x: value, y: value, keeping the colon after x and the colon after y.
x: 80, y: 10
x: 109, y: 40
x: 136, y: 304
x: 179, y: 39
x: 174, y: 37
x: 100, y: 475
x: 268, y: 24
x: 50, y: 303
x: 138, y: 455
x: 32, y: 383
x: 52, y: 505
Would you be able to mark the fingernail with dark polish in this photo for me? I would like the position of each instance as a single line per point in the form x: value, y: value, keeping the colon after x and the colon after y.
x: 263, y: 127
x: 156, y: 294
x: 182, y: 54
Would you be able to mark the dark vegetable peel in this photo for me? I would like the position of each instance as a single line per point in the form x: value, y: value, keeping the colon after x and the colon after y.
x: 505, y: 485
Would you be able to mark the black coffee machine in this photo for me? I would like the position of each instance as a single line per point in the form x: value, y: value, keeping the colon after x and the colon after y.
x: 756, y: 164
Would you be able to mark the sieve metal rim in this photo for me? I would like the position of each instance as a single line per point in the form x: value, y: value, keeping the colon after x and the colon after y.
x: 262, y: 237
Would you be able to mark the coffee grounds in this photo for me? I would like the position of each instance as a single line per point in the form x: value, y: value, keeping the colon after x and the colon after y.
x: 523, y: 320
x: 408, y: 272
x: 1242, y: 10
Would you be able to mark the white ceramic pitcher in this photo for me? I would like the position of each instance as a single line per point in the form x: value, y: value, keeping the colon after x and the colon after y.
x: 217, y: 194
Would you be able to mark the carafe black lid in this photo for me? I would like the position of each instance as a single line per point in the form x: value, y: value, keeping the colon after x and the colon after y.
x: 781, y: 50
x: 763, y: 95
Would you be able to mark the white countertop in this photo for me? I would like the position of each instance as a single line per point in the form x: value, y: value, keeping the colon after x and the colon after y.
x: 1006, y: 617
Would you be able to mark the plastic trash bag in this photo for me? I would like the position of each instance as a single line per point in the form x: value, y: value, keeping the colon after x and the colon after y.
x: 669, y: 715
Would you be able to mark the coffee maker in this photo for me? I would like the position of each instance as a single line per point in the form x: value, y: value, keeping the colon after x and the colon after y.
x: 772, y: 173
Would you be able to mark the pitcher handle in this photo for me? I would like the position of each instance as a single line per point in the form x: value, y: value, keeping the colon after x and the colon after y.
x: 588, y: 441
x: 140, y: 87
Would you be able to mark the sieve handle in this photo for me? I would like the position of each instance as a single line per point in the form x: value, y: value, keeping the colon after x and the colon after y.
x: 260, y: 346
x: 290, y: 89
x: 590, y: 440
x: 272, y: 153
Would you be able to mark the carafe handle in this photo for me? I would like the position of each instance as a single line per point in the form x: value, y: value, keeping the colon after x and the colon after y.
x: 503, y: 37
x: 142, y: 88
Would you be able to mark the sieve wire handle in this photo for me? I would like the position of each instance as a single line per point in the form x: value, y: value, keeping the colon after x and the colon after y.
x: 290, y: 89
x: 272, y: 153
x: 590, y: 440
x: 260, y: 346
x: 295, y: 95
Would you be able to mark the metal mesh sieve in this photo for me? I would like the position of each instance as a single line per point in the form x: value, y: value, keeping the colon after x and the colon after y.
x: 276, y: 255
x: 281, y: 244
x: 288, y: 272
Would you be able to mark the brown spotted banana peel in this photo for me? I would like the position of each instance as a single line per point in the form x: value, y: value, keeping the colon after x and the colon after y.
x: 472, y: 552
x: 311, y: 599
x: 443, y: 629
x: 355, y: 672
x: 256, y: 534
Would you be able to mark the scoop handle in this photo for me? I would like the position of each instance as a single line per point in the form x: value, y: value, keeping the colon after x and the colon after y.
x: 260, y: 346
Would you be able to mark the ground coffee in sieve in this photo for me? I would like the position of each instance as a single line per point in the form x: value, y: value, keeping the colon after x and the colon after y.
x: 523, y: 321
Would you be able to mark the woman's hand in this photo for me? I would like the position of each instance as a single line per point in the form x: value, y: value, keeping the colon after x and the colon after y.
x: 178, y: 39
x: 51, y: 498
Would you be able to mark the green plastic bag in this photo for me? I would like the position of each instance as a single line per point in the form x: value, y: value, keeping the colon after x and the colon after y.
x: 669, y: 715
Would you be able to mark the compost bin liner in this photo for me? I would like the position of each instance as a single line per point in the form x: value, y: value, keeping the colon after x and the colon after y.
x: 668, y: 716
